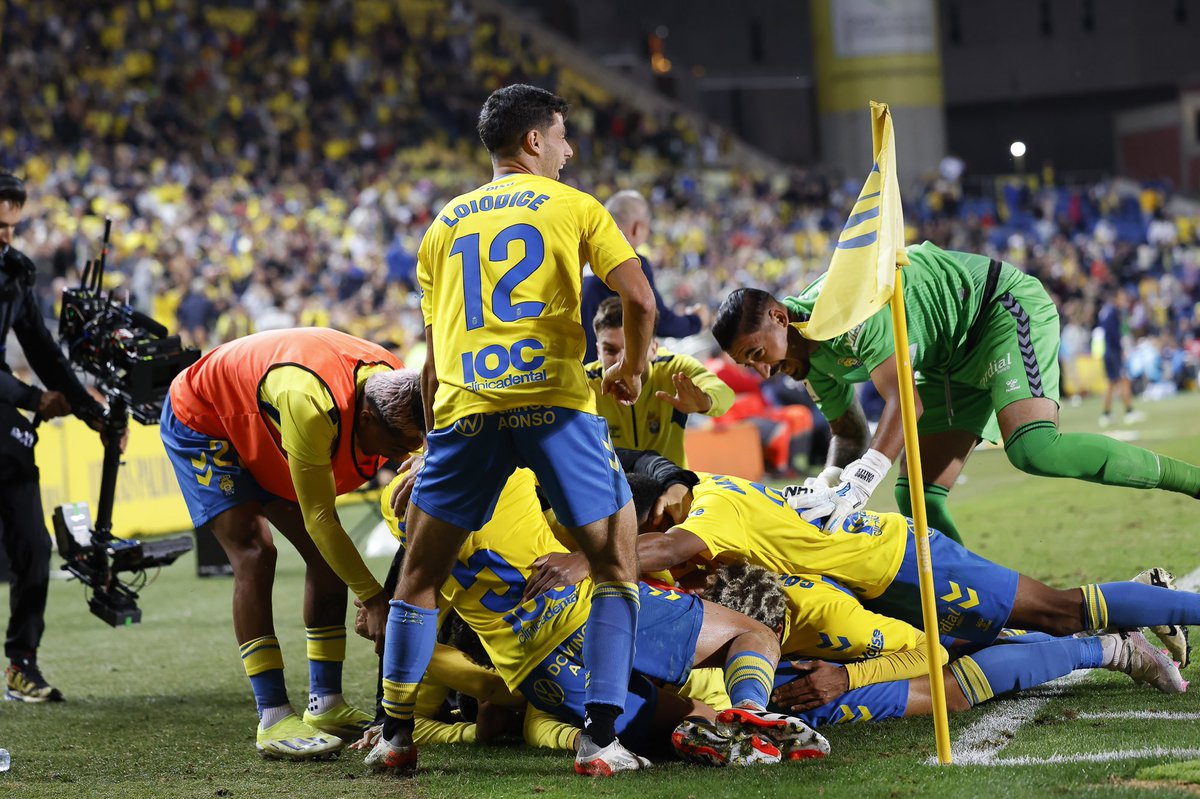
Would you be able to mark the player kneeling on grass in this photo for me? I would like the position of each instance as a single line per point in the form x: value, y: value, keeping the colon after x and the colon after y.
x: 728, y: 519
x: 822, y: 692
x: 534, y: 635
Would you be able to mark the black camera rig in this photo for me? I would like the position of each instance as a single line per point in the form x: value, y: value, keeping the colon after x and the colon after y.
x: 133, y: 361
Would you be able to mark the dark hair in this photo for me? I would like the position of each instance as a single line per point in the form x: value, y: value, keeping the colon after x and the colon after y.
x: 742, y: 312
x: 12, y: 189
x: 750, y: 590
x: 511, y: 112
x: 646, y: 491
x: 609, y: 315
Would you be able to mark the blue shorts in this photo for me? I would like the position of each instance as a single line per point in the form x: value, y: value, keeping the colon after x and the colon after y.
x: 1114, y: 366
x: 974, y: 596
x: 468, y: 463
x: 669, y: 623
x: 209, y: 471
x: 885, y: 700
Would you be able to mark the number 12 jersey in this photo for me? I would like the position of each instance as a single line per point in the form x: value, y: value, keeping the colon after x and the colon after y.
x: 500, y: 270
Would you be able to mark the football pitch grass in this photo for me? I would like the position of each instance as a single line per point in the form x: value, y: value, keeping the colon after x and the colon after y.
x: 164, y: 709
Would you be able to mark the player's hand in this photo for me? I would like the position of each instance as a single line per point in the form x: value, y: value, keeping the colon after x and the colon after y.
x: 838, y: 506
x: 369, y: 737
x: 829, y: 477
x: 552, y: 571
x: 672, y: 506
x: 622, y: 382
x: 687, y: 397
x: 53, y: 404
x: 371, y: 619
x: 819, y: 684
x: 403, y: 489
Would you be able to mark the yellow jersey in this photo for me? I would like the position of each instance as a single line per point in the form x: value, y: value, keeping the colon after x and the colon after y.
x: 500, y: 271
x: 309, y: 438
x: 487, y: 581
x: 652, y: 423
x: 742, y: 521
x: 827, y: 622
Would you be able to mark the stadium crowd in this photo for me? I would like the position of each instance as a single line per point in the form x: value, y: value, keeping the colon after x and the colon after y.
x: 324, y: 155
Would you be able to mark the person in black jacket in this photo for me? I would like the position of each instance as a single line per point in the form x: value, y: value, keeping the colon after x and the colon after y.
x: 22, y: 526
x: 631, y: 212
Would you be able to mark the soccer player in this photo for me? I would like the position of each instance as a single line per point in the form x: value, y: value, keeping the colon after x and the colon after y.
x: 503, y: 384
x: 824, y: 692
x: 674, y: 386
x: 985, y: 349
x: 272, y: 427
x: 535, y: 639
x: 729, y: 519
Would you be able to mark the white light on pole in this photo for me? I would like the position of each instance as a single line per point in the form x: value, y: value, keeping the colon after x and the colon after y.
x: 1017, y: 149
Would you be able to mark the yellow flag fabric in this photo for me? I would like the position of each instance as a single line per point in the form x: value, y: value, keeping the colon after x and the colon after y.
x: 862, y: 271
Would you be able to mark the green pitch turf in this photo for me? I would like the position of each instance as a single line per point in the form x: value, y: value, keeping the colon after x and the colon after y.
x: 164, y: 710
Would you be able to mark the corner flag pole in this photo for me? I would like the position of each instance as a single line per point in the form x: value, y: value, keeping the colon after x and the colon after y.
x: 916, y: 485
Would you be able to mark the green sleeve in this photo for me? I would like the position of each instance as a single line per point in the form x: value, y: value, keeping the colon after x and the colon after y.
x: 832, y: 398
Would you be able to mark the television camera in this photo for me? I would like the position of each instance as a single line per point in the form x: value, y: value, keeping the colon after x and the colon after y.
x: 133, y: 361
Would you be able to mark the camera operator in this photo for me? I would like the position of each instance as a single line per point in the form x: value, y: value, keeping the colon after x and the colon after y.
x: 22, y: 526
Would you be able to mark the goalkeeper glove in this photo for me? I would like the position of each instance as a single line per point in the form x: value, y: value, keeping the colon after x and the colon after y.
x: 838, y: 505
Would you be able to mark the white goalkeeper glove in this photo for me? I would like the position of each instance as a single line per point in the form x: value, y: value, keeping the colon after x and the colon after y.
x: 801, y: 496
x: 837, y: 505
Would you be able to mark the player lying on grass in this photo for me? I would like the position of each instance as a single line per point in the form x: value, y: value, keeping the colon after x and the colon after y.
x: 985, y: 340
x: 536, y: 645
x: 825, y: 692
x: 728, y: 519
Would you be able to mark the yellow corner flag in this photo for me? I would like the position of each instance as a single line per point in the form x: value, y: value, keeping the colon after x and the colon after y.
x: 862, y: 272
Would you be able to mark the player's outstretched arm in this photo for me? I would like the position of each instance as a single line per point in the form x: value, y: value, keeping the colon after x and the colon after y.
x: 658, y: 551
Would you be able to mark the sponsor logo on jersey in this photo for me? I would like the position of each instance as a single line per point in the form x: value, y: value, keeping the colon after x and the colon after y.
x: 1012, y: 384
x: 469, y: 426
x: 226, y: 485
x: 849, y: 363
x: 548, y: 692
x: 996, y: 367
x: 485, y: 370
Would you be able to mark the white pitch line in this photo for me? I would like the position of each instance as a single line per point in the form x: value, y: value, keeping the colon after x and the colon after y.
x: 981, y: 743
x: 1098, y: 757
x: 1148, y: 715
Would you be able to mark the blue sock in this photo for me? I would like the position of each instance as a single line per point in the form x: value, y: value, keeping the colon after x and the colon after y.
x: 410, y: 638
x: 269, y: 689
x: 1008, y: 636
x: 324, y: 677
x: 1129, y: 604
x: 748, y: 678
x: 326, y: 651
x: 608, y: 653
x: 1011, y: 667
